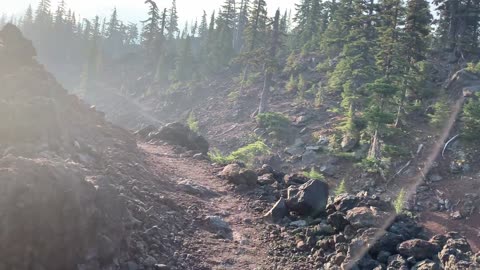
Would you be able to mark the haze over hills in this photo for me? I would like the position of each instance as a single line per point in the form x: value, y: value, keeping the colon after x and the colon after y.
x: 135, y: 10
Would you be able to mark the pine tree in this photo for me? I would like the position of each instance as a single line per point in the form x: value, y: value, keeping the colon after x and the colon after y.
x: 194, y: 29
x: 113, y: 25
x: 242, y: 21
x: 184, y: 65
x: 132, y: 34
x: 93, y: 60
x: 27, y: 21
x: 356, y: 67
x: 457, y: 30
x: 271, y: 65
x: 172, y: 26
x: 225, y: 26
x: 203, y: 28
x: 255, y: 33
x: 417, y: 30
x: 471, y: 120
x: 59, y: 15
x: 151, y: 27
x: 335, y: 36
x: 43, y: 15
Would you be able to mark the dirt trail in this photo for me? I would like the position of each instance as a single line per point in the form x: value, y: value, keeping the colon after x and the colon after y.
x: 244, y: 248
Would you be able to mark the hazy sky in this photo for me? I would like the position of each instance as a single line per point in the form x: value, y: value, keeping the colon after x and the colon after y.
x: 133, y: 10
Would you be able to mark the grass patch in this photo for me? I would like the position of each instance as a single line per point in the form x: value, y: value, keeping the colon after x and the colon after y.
x: 313, y: 174
x: 341, y: 189
x: 399, y: 203
x: 192, y: 122
x: 246, y: 154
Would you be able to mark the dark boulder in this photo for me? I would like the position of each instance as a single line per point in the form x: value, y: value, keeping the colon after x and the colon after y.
x: 338, y: 221
x: 366, y: 217
x: 418, y: 248
x: 179, y: 134
x: 311, y: 198
x: 345, y: 202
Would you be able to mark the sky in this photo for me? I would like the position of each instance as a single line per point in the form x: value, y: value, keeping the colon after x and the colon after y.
x: 134, y: 10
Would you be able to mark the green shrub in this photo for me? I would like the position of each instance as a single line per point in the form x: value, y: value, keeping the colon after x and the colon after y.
x: 341, y: 189
x: 292, y: 84
x: 471, y: 120
x: 217, y: 157
x: 192, y: 122
x: 319, y: 96
x: 313, y: 174
x: 399, y: 203
x: 246, y: 154
x: 441, y: 114
x: 474, y: 68
x: 276, y: 124
x: 233, y: 96
x: 302, y: 87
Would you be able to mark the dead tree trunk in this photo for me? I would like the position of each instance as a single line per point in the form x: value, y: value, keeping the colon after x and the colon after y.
x: 270, y: 64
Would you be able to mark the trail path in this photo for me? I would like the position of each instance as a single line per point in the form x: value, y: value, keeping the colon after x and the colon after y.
x: 243, y: 248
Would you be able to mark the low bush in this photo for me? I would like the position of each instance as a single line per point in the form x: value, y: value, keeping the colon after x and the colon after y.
x: 192, y: 122
x: 246, y: 154
x: 341, y: 189
x: 276, y: 124
x: 399, y: 203
x: 313, y: 174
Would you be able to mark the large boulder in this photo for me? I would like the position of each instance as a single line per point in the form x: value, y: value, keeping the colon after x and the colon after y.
x: 418, y: 248
x: 366, y: 217
x: 310, y: 199
x: 179, y: 134
x: 239, y: 176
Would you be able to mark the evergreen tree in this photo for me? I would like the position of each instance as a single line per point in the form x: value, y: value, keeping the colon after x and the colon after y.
x: 271, y: 64
x: 59, y: 15
x: 172, y: 26
x: 93, y: 60
x: 416, y: 32
x: 132, y: 34
x: 151, y: 27
x: 184, y: 64
x: 225, y: 27
x: 357, y: 65
x: 113, y: 25
x: 255, y: 34
x: 27, y: 21
x: 471, y: 120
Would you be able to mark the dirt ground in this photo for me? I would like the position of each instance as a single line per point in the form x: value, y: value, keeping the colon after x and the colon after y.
x: 243, y: 249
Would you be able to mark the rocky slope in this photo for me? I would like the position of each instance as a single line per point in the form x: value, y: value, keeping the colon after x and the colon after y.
x: 446, y: 198
x: 75, y: 192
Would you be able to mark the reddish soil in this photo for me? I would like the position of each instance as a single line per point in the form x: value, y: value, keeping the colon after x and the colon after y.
x: 244, y: 250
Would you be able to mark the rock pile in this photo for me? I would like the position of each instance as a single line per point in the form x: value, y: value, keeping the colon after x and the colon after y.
x: 351, y: 234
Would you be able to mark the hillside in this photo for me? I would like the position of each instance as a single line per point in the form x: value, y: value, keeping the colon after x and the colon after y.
x: 341, y: 135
